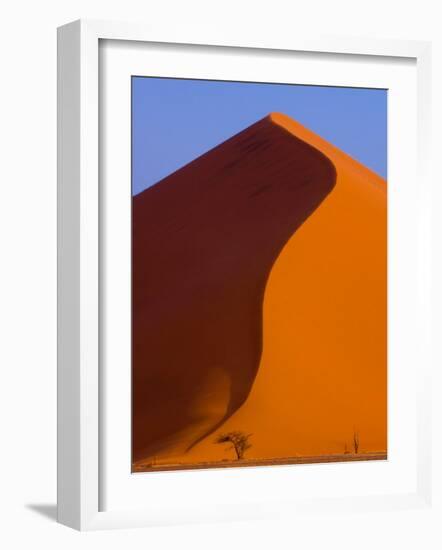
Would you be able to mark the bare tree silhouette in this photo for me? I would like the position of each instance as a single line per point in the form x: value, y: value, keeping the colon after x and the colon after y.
x: 238, y: 440
x: 356, y: 441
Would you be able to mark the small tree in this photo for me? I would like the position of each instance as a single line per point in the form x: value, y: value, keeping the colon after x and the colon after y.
x: 356, y: 441
x: 238, y: 440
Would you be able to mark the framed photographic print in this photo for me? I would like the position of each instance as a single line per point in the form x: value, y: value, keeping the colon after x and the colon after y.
x: 243, y: 288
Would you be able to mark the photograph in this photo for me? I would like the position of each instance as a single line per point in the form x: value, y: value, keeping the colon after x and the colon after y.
x: 259, y: 273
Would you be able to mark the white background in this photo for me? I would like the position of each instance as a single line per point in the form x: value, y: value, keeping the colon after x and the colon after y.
x: 28, y: 276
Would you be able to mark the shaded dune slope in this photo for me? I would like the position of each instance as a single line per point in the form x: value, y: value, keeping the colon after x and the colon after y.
x: 204, y: 242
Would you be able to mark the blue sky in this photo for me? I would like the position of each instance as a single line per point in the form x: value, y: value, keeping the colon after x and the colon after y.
x: 176, y: 120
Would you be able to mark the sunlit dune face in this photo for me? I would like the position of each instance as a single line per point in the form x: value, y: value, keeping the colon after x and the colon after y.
x: 323, y: 373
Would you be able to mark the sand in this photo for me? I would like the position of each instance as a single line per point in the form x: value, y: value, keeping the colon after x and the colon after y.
x: 319, y: 371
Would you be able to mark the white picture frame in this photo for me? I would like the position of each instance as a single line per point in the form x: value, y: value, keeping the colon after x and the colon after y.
x: 79, y: 267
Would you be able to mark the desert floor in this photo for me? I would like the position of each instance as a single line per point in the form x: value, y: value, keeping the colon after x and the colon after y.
x: 228, y: 463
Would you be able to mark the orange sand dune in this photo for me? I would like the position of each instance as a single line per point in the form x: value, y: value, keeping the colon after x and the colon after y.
x: 323, y: 371
x: 204, y: 241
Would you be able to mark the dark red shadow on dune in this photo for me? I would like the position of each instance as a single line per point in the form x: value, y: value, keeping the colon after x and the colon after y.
x: 204, y: 241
